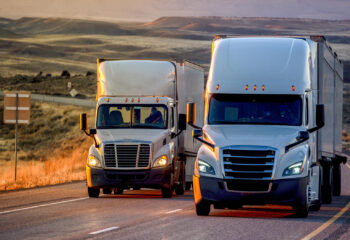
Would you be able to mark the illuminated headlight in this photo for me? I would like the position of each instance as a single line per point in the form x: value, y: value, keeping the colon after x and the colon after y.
x: 93, y: 161
x: 161, y: 161
x: 204, y: 167
x: 295, y: 169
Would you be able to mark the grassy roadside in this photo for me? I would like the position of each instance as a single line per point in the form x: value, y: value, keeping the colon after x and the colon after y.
x: 51, y: 149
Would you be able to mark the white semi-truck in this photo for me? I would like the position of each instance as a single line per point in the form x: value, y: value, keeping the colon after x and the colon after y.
x: 140, y: 138
x: 272, y: 125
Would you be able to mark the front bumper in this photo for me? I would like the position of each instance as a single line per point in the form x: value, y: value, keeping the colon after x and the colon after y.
x: 214, y: 190
x: 152, y: 178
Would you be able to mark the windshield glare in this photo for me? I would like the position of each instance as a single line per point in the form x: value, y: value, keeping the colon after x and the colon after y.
x: 255, y: 109
x: 132, y: 116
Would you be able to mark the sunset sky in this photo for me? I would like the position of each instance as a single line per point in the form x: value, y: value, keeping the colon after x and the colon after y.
x: 147, y: 10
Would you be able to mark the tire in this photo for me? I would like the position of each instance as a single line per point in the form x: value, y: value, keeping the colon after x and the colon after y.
x: 202, y: 208
x: 107, y: 191
x: 118, y: 191
x: 327, y: 190
x: 188, y: 186
x: 93, y: 192
x: 180, y: 188
x: 167, y: 192
x: 336, y: 179
x: 300, y: 210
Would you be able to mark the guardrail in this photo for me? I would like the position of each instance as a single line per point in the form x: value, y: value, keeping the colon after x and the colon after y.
x: 62, y: 100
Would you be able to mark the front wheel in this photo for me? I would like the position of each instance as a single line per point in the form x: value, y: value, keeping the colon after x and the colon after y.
x: 93, y: 192
x: 203, y: 208
x: 167, y: 192
x: 300, y: 210
x: 336, y: 179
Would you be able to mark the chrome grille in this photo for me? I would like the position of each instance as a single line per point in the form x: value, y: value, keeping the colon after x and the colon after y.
x: 109, y: 154
x: 127, y: 156
x: 248, y: 164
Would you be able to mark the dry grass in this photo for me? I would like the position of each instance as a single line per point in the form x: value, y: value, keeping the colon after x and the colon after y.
x: 52, y: 149
x: 57, y: 169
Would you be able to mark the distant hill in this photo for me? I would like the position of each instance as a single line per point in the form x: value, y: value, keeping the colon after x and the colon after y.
x: 63, y: 26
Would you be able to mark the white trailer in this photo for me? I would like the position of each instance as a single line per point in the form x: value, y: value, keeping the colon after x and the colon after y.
x: 141, y: 139
x: 272, y: 124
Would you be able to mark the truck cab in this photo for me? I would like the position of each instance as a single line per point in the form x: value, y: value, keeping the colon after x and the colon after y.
x: 140, y: 130
x: 260, y: 138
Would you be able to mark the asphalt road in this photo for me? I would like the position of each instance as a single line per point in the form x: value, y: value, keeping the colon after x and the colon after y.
x: 65, y: 212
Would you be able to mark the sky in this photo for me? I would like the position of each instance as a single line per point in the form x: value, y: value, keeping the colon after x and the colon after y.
x: 148, y: 10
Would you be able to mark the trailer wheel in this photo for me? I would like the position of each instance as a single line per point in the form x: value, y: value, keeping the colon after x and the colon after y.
x: 203, y: 208
x: 93, y: 192
x: 107, y: 191
x: 118, y: 190
x: 327, y: 190
x: 188, y: 186
x: 336, y: 179
x: 180, y: 188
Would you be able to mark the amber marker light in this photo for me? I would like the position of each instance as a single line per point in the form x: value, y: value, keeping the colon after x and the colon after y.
x: 157, y: 100
x: 138, y: 100
x: 126, y: 100
x: 132, y: 100
x: 246, y: 87
x: 217, y: 87
x: 293, y: 88
x: 263, y: 87
x: 107, y: 99
x: 254, y: 87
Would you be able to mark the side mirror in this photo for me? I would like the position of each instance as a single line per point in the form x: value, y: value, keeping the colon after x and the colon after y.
x: 197, y: 133
x: 83, y: 121
x: 303, y: 135
x: 92, y: 131
x: 320, y: 115
x: 191, y: 113
x: 182, y: 122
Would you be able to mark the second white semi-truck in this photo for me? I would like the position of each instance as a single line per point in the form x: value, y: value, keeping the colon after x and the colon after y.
x: 141, y: 139
x: 272, y: 125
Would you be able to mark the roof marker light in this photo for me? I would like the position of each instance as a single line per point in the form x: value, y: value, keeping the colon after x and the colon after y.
x: 293, y: 88
x: 246, y: 87
x: 157, y: 100
x: 217, y: 87
x: 254, y: 87
x: 107, y: 99
x: 126, y: 99
x: 263, y: 87
x: 132, y: 100
x: 138, y: 100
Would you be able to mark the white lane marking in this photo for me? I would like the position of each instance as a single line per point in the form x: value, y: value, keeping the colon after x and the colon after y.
x: 347, y: 165
x: 326, y: 224
x: 43, y: 205
x: 104, y: 230
x: 173, y: 211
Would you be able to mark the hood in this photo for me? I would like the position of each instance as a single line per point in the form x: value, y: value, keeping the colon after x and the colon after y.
x: 252, y: 135
x: 131, y: 135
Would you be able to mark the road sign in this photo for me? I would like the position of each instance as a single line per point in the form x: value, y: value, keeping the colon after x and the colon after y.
x: 16, y: 111
x: 17, y: 107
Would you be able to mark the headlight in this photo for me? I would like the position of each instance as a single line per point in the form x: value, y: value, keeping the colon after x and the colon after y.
x: 204, y: 167
x: 161, y: 161
x: 295, y: 169
x: 93, y: 161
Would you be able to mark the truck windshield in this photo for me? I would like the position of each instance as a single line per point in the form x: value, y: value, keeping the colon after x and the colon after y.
x: 255, y: 109
x: 131, y: 116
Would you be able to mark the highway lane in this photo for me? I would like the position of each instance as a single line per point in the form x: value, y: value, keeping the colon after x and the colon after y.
x: 65, y: 212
